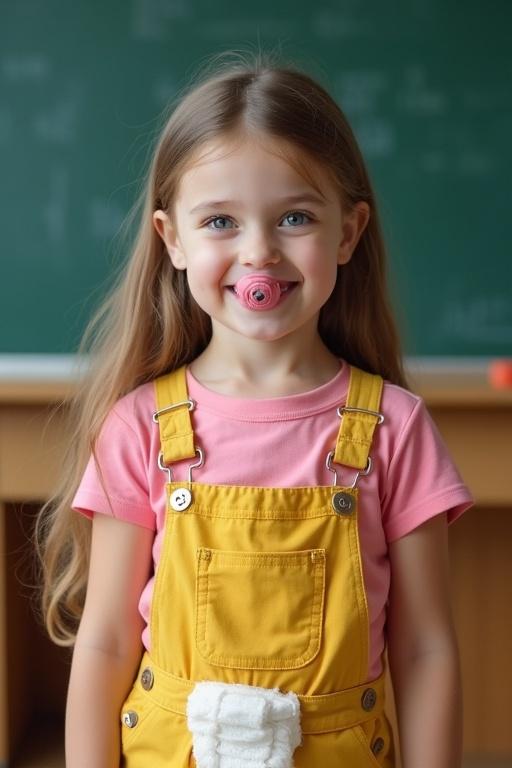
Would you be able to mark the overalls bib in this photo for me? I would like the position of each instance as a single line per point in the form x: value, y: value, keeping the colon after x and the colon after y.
x: 261, y: 587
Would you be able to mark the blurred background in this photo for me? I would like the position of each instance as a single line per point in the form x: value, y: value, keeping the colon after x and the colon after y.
x: 426, y: 86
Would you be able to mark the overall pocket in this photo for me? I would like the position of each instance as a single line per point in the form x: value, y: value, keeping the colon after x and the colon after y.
x: 151, y: 736
x: 348, y: 747
x: 376, y: 739
x: 137, y: 713
x: 259, y: 610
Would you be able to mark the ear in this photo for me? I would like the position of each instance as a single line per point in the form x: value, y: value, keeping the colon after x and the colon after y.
x: 169, y: 235
x: 353, y: 225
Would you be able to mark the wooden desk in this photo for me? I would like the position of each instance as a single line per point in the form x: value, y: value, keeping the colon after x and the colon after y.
x: 476, y: 422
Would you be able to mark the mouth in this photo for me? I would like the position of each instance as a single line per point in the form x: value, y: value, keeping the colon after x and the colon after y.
x: 284, y: 285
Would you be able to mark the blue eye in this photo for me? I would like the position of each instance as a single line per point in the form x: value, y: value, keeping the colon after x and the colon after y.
x: 216, y: 218
x: 290, y: 215
x: 295, y: 214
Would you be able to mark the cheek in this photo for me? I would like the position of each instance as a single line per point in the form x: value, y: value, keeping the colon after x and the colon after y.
x: 206, y: 266
x: 320, y: 264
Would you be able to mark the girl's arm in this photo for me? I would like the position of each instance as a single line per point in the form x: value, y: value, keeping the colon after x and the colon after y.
x: 108, y: 645
x: 423, y: 652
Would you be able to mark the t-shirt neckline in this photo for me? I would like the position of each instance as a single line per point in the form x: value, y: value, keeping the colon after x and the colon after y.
x: 282, y: 408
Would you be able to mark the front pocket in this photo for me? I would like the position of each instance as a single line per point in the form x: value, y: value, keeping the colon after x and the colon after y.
x: 142, y: 711
x: 259, y: 610
x: 160, y: 737
x: 379, y: 747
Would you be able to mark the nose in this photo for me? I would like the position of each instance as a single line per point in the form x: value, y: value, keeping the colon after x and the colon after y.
x: 258, y: 251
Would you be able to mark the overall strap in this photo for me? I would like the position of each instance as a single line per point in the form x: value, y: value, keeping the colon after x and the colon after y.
x: 357, y: 426
x: 173, y: 416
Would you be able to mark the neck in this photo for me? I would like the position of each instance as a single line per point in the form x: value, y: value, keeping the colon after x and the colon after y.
x: 251, y: 367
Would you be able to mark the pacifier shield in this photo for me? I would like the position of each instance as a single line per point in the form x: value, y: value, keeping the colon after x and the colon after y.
x: 258, y: 291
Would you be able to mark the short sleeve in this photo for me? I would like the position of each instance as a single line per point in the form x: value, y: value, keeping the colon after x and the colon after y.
x: 422, y: 479
x: 115, y: 481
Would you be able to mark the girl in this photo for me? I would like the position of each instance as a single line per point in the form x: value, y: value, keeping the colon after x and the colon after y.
x: 268, y: 502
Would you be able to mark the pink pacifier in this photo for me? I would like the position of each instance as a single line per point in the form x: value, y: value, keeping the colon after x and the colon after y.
x: 258, y: 291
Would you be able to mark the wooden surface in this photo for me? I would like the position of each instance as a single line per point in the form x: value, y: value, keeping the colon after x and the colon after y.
x: 476, y: 422
x: 481, y: 571
x: 442, y: 385
x: 4, y: 704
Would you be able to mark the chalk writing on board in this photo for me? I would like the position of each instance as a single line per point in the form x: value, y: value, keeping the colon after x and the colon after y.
x: 58, y: 123
x: 55, y: 209
x: 376, y: 136
x: 105, y: 218
x: 153, y: 19
x: 32, y: 66
x: 480, y: 100
x: 222, y: 28
x: 360, y: 91
x: 484, y: 319
x: 475, y: 163
x: 335, y: 25
x: 418, y: 96
x: 6, y: 124
x: 163, y: 91
x: 433, y: 161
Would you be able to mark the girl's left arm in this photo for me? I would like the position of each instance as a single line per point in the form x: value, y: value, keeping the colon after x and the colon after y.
x: 422, y: 649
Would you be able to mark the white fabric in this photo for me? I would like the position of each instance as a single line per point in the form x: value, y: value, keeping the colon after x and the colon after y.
x: 243, y: 726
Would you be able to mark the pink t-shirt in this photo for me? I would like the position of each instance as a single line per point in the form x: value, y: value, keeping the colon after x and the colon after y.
x: 282, y: 442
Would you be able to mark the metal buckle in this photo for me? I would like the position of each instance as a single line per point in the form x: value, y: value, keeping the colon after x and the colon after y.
x: 360, y: 472
x: 163, y: 467
x: 191, y: 405
x: 167, y: 469
x: 197, y: 464
x: 344, y: 408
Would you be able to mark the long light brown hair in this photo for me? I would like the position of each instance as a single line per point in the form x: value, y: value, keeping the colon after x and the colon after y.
x: 150, y: 323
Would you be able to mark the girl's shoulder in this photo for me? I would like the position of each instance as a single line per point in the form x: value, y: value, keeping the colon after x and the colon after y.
x: 420, y: 478
x: 400, y: 407
x: 398, y: 400
x: 138, y: 403
x: 132, y: 413
x: 406, y: 418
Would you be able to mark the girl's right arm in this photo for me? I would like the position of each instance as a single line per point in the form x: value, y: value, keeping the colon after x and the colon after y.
x: 108, y: 646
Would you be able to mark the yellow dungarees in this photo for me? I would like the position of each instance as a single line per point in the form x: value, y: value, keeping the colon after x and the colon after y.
x: 263, y: 587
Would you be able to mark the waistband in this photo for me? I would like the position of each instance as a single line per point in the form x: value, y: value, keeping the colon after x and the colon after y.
x: 319, y: 714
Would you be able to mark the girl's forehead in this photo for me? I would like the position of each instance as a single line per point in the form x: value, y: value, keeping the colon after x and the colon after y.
x: 225, y: 146
x: 283, y: 151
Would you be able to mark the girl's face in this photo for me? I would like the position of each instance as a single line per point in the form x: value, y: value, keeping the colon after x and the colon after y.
x: 242, y: 209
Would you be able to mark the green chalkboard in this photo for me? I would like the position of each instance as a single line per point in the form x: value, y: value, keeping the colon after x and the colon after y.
x: 425, y: 83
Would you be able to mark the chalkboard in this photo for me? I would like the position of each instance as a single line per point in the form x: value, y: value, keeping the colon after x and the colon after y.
x: 426, y: 85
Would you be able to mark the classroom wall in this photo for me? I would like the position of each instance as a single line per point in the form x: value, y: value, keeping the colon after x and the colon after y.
x: 425, y: 84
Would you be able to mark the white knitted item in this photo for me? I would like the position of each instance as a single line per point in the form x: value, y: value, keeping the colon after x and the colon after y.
x: 243, y: 726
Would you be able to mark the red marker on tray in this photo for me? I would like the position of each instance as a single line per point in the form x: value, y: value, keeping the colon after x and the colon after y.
x: 500, y: 374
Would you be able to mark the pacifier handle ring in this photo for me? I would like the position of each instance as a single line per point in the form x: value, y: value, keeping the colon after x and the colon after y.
x: 255, y: 291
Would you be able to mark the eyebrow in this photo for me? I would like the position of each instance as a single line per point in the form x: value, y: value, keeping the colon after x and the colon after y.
x: 305, y: 198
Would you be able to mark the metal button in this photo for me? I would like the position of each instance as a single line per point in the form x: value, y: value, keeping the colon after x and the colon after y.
x: 147, y: 679
x: 378, y: 746
x: 180, y: 499
x: 368, y: 699
x: 342, y: 503
x: 130, y: 718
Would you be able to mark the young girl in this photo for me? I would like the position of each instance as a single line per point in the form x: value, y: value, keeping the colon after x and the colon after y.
x: 268, y: 503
